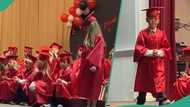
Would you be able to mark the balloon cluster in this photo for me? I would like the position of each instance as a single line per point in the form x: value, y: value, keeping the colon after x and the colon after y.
x: 73, y: 18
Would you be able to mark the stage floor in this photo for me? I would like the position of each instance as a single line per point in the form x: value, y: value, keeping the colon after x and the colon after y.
x: 115, y: 104
x: 8, y: 105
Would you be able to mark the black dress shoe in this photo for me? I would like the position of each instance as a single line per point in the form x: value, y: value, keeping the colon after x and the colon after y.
x: 141, y: 101
x: 164, y: 102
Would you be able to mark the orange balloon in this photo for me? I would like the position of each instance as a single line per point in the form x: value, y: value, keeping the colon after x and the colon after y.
x: 64, y: 17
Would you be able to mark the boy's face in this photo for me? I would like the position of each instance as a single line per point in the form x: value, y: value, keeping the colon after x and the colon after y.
x: 153, y: 22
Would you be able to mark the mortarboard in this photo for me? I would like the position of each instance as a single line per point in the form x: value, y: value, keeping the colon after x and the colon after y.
x: 65, y: 54
x: 27, y: 48
x: 55, y: 45
x: 153, y: 11
x: 12, y: 46
x: 44, y: 55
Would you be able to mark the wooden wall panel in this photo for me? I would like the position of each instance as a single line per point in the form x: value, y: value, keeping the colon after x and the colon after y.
x: 34, y: 23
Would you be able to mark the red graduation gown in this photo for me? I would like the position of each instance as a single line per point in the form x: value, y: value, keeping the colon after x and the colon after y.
x: 27, y: 75
x: 104, y: 87
x: 21, y: 67
x: 8, y: 86
x: 63, y: 90
x: 87, y: 83
x: 43, y: 87
x: 181, y: 88
x: 107, y: 68
x: 54, y: 69
x: 150, y: 76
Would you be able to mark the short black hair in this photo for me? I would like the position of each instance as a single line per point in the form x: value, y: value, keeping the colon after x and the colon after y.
x: 83, y: 5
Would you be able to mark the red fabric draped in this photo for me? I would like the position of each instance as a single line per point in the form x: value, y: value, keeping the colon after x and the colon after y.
x: 96, y: 55
x: 167, y: 24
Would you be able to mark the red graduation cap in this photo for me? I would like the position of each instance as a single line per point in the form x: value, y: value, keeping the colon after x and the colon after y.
x: 43, y: 52
x: 56, y: 45
x: 44, y: 49
x: 153, y: 12
x: 28, y: 49
x: 64, y: 54
x: 12, y: 46
x: 44, y: 55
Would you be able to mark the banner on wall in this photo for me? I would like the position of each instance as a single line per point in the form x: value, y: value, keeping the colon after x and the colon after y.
x: 4, y: 4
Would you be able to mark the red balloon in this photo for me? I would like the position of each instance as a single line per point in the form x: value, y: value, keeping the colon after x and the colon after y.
x: 77, y: 21
x: 72, y: 10
x: 64, y: 17
x: 91, y: 4
x: 76, y: 3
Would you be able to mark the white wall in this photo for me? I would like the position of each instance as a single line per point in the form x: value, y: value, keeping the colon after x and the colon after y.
x: 123, y: 69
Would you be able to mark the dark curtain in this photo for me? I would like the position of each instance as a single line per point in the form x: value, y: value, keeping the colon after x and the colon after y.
x: 167, y: 24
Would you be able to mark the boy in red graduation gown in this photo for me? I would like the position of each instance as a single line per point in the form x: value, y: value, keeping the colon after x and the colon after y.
x: 24, y: 80
x: 54, y: 50
x: 21, y: 61
x: 63, y: 77
x: 152, y: 50
x: 62, y: 86
x: 8, y: 84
